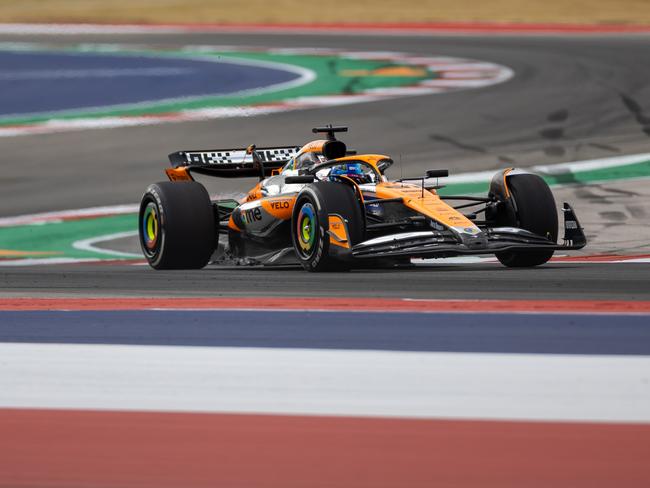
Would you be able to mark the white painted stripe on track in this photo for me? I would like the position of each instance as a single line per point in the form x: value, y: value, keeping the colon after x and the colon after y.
x: 442, y: 83
x: 47, y: 217
x: 326, y: 382
x: 305, y: 75
x: 592, y: 164
x: 557, y: 169
x: 89, y: 244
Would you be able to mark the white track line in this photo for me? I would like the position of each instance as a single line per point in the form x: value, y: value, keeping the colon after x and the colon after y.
x: 89, y: 244
x: 326, y: 382
x: 48, y: 217
x: 556, y: 169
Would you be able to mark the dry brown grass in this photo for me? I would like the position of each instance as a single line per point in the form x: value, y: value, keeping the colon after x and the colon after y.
x: 282, y: 11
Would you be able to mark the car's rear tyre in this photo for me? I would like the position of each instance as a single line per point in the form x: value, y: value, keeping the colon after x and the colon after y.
x: 310, y: 225
x: 536, y: 212
x: 176, y: 225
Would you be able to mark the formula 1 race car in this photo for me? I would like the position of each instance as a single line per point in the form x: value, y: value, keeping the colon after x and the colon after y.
x: 329, y: 209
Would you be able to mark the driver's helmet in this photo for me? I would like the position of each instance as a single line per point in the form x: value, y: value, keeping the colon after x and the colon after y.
x: 354, y: 171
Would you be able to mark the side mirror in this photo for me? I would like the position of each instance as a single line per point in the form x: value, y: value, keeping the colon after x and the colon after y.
x: 437, y: 173
x: 384, y: 164
x: 299, y: 180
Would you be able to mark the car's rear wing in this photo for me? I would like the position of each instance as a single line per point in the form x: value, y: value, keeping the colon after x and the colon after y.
x: 232, y: 163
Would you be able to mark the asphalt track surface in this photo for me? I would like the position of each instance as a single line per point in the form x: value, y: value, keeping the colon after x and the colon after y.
x: 570, y: 99
x: 556, y: 281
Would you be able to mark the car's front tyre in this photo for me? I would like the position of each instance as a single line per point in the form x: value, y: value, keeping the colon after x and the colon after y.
x: 310, y: 225
x: 535, y: 211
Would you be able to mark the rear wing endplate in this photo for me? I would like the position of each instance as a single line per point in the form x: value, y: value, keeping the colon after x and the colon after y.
x: 232, y: 163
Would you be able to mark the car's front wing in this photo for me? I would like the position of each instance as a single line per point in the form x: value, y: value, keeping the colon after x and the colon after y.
x: 436, y: 244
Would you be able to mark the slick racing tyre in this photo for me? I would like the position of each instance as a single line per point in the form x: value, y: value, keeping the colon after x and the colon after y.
x: 536, y: 212
x: 310, y: 225
x: 176, y: 225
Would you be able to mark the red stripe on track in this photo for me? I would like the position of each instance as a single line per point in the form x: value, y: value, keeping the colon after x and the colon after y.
x: 49, y: 448
x: 329, y: 304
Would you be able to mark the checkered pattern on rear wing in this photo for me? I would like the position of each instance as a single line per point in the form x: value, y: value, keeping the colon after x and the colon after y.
x: 275, y: 157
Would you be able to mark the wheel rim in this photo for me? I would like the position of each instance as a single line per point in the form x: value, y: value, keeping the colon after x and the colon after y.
x: 306, y: 231
x: 150, y: 228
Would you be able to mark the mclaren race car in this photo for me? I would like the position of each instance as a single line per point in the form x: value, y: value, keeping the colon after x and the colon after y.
x: 329, y: 209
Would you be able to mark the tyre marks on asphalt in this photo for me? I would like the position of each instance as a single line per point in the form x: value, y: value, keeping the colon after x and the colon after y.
x: 639, y: 113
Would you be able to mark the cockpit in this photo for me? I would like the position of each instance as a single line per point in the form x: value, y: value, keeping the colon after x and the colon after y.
x: 358, y: 171
x: 329, y: 159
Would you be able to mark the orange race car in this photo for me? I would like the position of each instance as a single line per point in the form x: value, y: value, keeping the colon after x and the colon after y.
x: 328, y: 209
